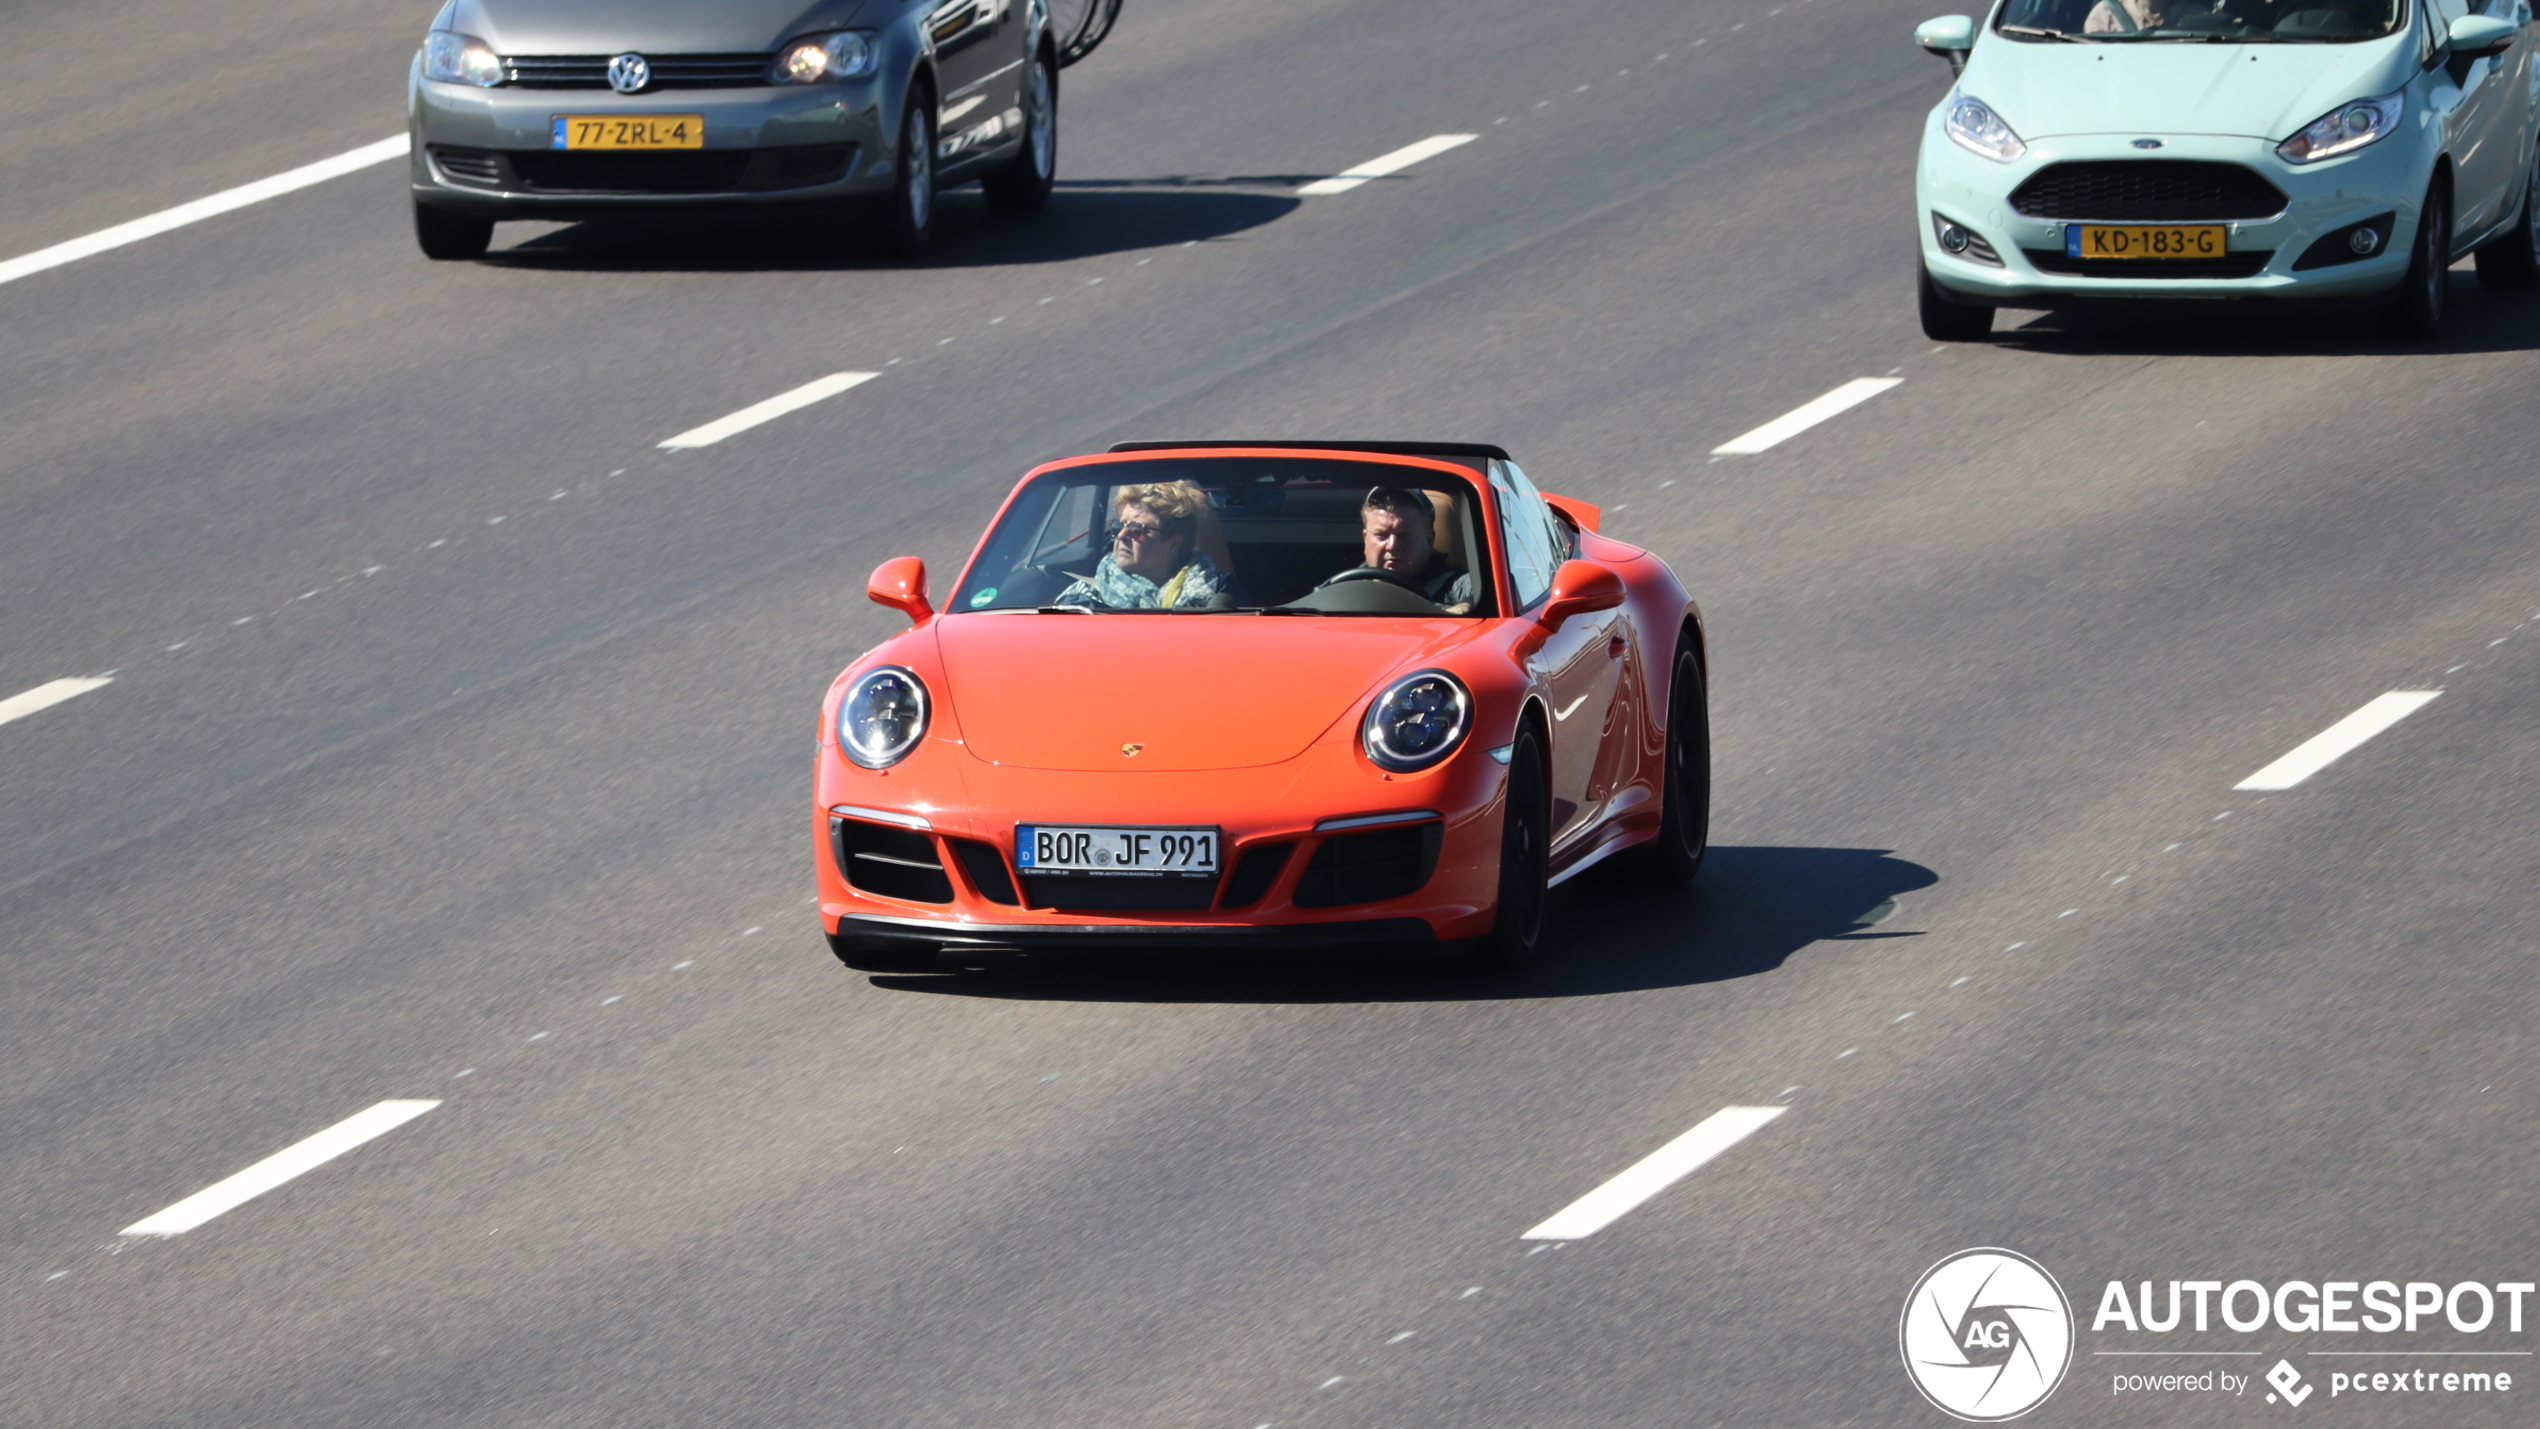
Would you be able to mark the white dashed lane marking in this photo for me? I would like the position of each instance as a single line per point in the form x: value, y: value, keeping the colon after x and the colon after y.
x: 1654, y: 1173
x: 225, y: 201
x: 45, y: 696
x: 1790, y: 424
x: 294, y: 1160
x: 769, y: 410
x: 1393, y: 163
x: 2335, y: 742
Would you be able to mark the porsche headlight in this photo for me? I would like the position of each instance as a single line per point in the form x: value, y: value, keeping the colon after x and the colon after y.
x: 1980, y: 130
x: 1417, y: 721
x: 847, y: 54
x: 882, y: 717
x: 460, y: 59
x: 2345, y: 129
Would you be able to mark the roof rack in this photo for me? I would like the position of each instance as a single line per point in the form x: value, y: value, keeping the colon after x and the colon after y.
x: 1453, y: 451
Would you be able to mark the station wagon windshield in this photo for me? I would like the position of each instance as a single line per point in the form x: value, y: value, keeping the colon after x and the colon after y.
x: 2239, y: 22
x: 1301, y: 535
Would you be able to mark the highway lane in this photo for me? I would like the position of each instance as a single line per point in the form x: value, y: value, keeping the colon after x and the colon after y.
x: 1948, y: 627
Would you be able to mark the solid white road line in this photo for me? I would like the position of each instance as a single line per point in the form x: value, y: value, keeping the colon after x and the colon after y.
x: 2332, y: 744
x: 202, y: 208
x: 1654, y: 1173
x: 1782, y: 428
x: 44, y: 697
x: 767, y: 411
x: 1393, y: 163
x: 281, y: 1166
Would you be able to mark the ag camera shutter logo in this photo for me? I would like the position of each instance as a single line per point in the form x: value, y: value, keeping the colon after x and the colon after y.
x: 1987, y: 1334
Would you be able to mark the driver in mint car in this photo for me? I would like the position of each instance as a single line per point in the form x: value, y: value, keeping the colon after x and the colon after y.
x: 1399, y: 531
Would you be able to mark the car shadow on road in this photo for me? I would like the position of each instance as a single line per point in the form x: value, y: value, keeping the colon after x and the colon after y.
x: 1086, y: 218
x: 1751, y: 910
x: 2480, y: 320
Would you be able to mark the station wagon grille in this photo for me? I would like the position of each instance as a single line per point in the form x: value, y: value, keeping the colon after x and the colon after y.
x: 669, y: 71
x: 2148, y: 191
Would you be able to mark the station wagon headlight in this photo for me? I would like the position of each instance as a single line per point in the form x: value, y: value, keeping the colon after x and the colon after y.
x: 1417, y: 721
x: 882, y: 717
x: 454, y: 58
x: 1981, y: 130
x: 2345, y: 129
x: 847, y: 54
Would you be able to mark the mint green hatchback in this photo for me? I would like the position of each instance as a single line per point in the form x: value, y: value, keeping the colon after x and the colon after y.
x: 2148, y: 149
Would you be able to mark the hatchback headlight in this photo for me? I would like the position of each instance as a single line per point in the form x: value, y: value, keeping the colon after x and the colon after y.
x: 460, y: 59
x: 2345, y: 129
x: 882, y: 717
x: 1981, y: 130
x: 1417, y: 721
x: 847, y: 54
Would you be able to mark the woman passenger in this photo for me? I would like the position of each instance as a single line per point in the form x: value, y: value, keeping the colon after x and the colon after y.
x: 1154, y: 563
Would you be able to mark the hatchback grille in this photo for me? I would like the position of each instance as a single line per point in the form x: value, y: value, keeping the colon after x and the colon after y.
x: 690, y: 171
x: 1369, y: 867
x: 895, y: 863
x: 2148, y: 191
x: 669, y: 71
x: 2230, y: 265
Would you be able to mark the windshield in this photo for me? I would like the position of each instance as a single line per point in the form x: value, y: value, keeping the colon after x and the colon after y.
x: 1219, y: 535
x: 2239, y: 22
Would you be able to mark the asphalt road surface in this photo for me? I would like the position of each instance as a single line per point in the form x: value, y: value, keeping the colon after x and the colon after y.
x: 456, y: 737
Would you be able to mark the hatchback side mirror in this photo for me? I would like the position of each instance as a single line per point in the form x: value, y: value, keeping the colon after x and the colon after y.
x: 900, y: 583
x: 1577, y: 588
x: 2478, y: 36
x: 1949, y: 37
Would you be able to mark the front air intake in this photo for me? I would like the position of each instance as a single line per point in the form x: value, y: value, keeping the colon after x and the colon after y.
x: 2148, y: 191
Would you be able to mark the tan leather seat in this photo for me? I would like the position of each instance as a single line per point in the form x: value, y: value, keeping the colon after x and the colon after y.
x: 1450, y: 531
x: 1209, y: 534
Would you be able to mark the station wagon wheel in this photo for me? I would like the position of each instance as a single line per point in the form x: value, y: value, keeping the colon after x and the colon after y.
x: 1023, y: 183
x: 908, y: 217
x: 1525, y: 848
x: 2415, y: 310
x: 1684, y: 828
x: 2512, y: 260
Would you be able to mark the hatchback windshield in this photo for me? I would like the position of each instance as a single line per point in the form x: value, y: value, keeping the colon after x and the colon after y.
x: 2239, y: 22
x: 1219, y: 535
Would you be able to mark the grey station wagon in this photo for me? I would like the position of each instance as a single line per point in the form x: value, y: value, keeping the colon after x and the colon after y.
x: 855, y: 111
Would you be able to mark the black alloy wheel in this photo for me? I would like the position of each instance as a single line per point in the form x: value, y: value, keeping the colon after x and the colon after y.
x: 1023, y: 183
x: 1525, y: 852
x: 1684, y: 828
x: 2415, y: 311
x: 870, y: 957
x: 907, y: 227
x: 1946, y: 319
x: 448, y: 237
x: 2512, y: 259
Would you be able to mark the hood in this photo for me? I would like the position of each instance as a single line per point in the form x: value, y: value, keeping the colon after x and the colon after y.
x: 609, y: 27
x: 1198, y: 691
x: 2142, y: 87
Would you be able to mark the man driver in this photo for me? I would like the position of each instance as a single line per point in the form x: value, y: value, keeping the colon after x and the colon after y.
x: 1398, y: 529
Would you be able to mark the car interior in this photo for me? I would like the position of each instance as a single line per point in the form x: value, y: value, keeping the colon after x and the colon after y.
x: 1279, y: 529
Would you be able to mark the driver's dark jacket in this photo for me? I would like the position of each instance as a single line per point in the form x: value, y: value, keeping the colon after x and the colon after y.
x: 1448, y: 585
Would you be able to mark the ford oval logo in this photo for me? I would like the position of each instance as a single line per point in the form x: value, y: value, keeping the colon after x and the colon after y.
x: 628, y: 74
x: 2139, y: 143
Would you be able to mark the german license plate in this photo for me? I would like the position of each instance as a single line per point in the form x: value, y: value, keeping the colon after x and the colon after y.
x: 627, y: 131
x: 2164, y: 240
x: 1074, y: 848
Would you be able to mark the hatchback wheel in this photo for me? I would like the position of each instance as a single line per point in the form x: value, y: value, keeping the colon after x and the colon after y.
x: 2415, y: 311
x: 1945, y: 319
x: 907, y: 226
x: 449, y: 237
x: 2512, y: 260
x: 1023, y: 183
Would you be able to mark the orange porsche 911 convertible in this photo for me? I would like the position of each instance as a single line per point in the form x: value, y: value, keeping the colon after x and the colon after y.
x: 1200, y: 695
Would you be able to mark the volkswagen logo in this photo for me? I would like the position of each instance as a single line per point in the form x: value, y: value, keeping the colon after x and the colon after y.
x: 2147, y: 143
x: 628, y: 74
x: 1987, y: 1335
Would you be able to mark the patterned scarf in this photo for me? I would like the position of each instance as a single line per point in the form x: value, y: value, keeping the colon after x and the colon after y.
x: 1191, y: 587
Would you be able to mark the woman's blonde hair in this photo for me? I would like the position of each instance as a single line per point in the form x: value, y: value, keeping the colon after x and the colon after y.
x: 1175, y: 505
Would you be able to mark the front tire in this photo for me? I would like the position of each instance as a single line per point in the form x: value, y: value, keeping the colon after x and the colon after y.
x: 1525, y: 851
x: 2512, y: 260
x: 868, y: 957
x: 1946, y: 319
x: 1023, y: 183
x: 1684, y: 827
x: 907, y: 227
x: 447, y: 237
x: 2415, y: 312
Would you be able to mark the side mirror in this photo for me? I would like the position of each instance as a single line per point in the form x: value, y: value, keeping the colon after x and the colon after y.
x: 1577, y: 588
x: 900, y: 583
x: 2478, y: 36
x: 1949, y: 37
